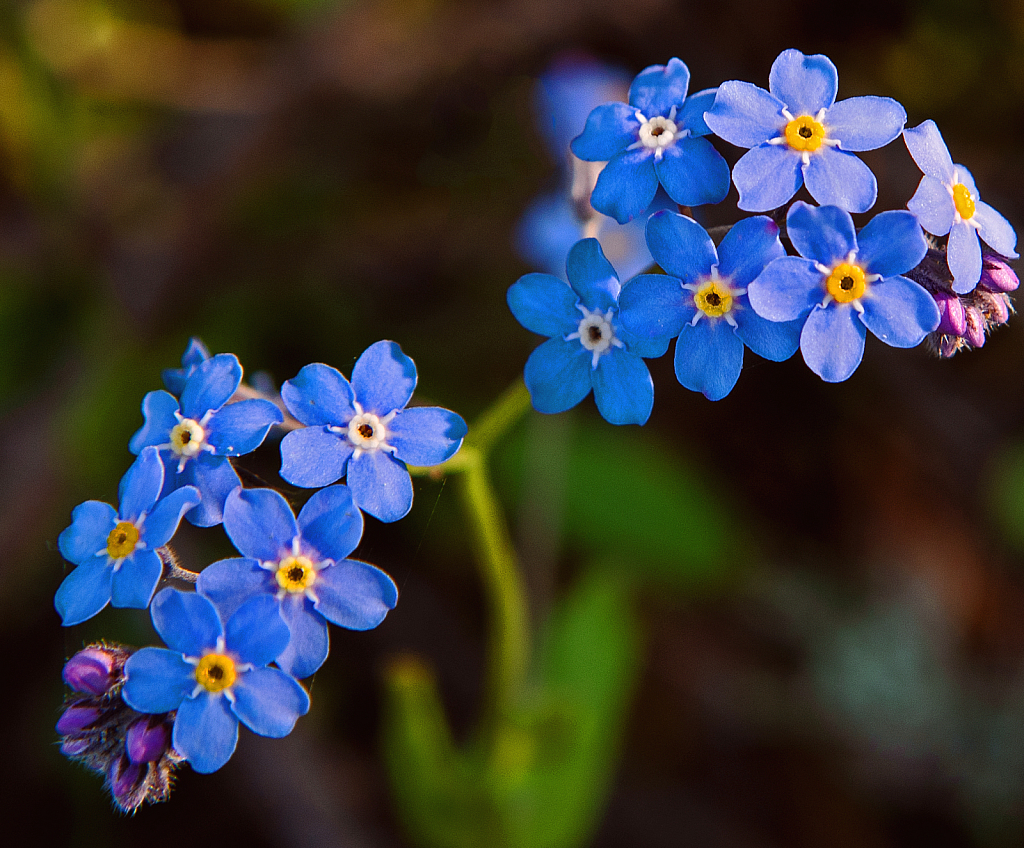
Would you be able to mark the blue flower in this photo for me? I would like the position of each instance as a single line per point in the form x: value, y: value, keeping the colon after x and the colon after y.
x: 116, y: 550
x: 843, y: 284
x: 798, y: 133
x: 704, y: 302
x: 362, y: 430
x: 303, y: 566
x: 587, y: 347
x: 175, y: 378
x: 947, y: 201
x: 214, y: 675
x: 655, y: 138
x: 197, y: 436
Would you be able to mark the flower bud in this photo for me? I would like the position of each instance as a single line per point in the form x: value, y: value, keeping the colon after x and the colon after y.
x: 125, y: 780
x: 997, y: 275
x: 147, y: 740
x: 975, y: 331
x: 953, y: 317
x: 91, y: 671
x: 77, y: 718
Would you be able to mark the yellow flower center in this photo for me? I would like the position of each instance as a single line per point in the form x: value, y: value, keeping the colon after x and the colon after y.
x: 805, y: 133
x: 187, y: 437
x: 963, y: 201
x: 846, y: 282
x: 295, y: 574
x: 122, y: 540
x: 713, y: 298
x: 216, y: 672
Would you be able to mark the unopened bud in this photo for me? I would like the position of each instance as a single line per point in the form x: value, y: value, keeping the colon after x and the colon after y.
x: 997, y: 275
x: 147, y: 741
x: 975, y: 330
x: 76, y: 719
x: 90, y: 671
x: 126, y: 779
x: 952, y: 316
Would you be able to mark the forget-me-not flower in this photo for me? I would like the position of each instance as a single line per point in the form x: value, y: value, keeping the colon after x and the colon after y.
x: 656, y: 138
x: 175, y: 378
x: 845, y: 283
x: 303, y: 565
x: 588, y: 348
x: 197, y: 435
x: 362, y: 430
x: 797, y: 133
x: 215, y: 674
x: 116, y: 550
x: 702, y: 299
x: 947, y: 201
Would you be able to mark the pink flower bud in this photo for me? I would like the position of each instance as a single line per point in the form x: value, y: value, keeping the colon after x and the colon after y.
x: 90, y: 671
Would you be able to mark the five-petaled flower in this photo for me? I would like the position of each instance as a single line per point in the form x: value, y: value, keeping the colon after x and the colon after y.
x: 797, y: 133
x: 362, y: 430
x: 116, y: 550
x: 215, y: 674
x: 947, y: 201
x: 845, y: 283
x: 303, y: 565
x: 655, y: 138
x: 704, y: 301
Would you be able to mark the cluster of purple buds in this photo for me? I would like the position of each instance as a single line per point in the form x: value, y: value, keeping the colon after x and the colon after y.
x: 966, y: 319
x: 130, y: 749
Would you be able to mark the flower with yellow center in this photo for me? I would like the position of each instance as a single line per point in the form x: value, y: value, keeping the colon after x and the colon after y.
x: 122, y: 540
x: 714, y: 297
x: 804, y: 134
x: 216, y: 672
x: 963, y: 202
x: 295, y: 574
x: 846, y: 281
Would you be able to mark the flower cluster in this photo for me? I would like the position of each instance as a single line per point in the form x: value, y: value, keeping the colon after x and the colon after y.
x: 255, y: 624
x: 736, y: 288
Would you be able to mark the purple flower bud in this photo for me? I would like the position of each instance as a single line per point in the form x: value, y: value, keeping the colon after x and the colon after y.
x: 997, y: 275
x: 91, y: 671
x: 975, y: 330
x: 76, y: 719
x: 953, y: 317
x: 146, y: 742
x: 124, y: 778
x: 995, y: 306
x: 74, y: 747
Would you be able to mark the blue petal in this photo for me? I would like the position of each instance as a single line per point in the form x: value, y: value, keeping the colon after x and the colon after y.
x: 241, y: 427
x: 681, y: 246
x: 787, y: 289
x: 933, y: 206
x: 647, y: 348
x: 655, y: 306
x: 610, y: 129
x: 748, y: 248
x: 963, y: 253
x: 891, y: 243
x: 832, y: 342
x: 175, y: 378
x: 626, y: 186
x: 354, y: 594
x: 256, y: 632
x: 544, y: 304
x: 313, y: 457
x: 767, y: 176
x: 546, y: 231
x: 229, y: 583
x: 623, y: 388
x: 310, y: 643
x: 865, y: 123
x: 141, y: 485
x: 260, y: 523
x: 205, y: 732
x: 157, y: 681
x: 774, y: 340
x: 745, y: 115
x: 709, y: 358
x: 964, y: 176
x: 929, y: 151
x: 135, y: 581
x: 822, y: 234
x: 567, y: 92
x: 158, y: 409
x: 658, y: 88
x: 91, y: 524
x: 269, y: 702
x: 691, y: 116
x: 380, y: 486
x: 899, y: 312
x: 805, y: 84
x: 996, y: 230
x: 187, y: 622
x: 330, y: 523
x: 383, y: 378
x: 693, y: 172
x: 211, y: 385
x: 215, y: 478
x: 84, y: 592
x: 836, y: 177
x: 557, y: 375
x: 162, y: 523
x: 591, y: 276
x: 426, y: 435
x: 319, y: 394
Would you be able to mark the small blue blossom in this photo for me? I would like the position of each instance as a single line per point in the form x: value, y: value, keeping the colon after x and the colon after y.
x: 197, y: 436
x: 587, y: 346
x: 303, y: 565
x: 947, y: 201
x: 845, y: 283
x: 704, y: 301
x: 797, y: 133
x: 116, y: 550
x: 175, y: 378
x: 215, y: 674
x: 655, y: 138
x: 363, y: 432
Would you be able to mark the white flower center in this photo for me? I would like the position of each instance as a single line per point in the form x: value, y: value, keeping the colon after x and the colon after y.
x: 187, y: 438
x: 595, y: 333
x: 366, y: 432
x: 658, y: 132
